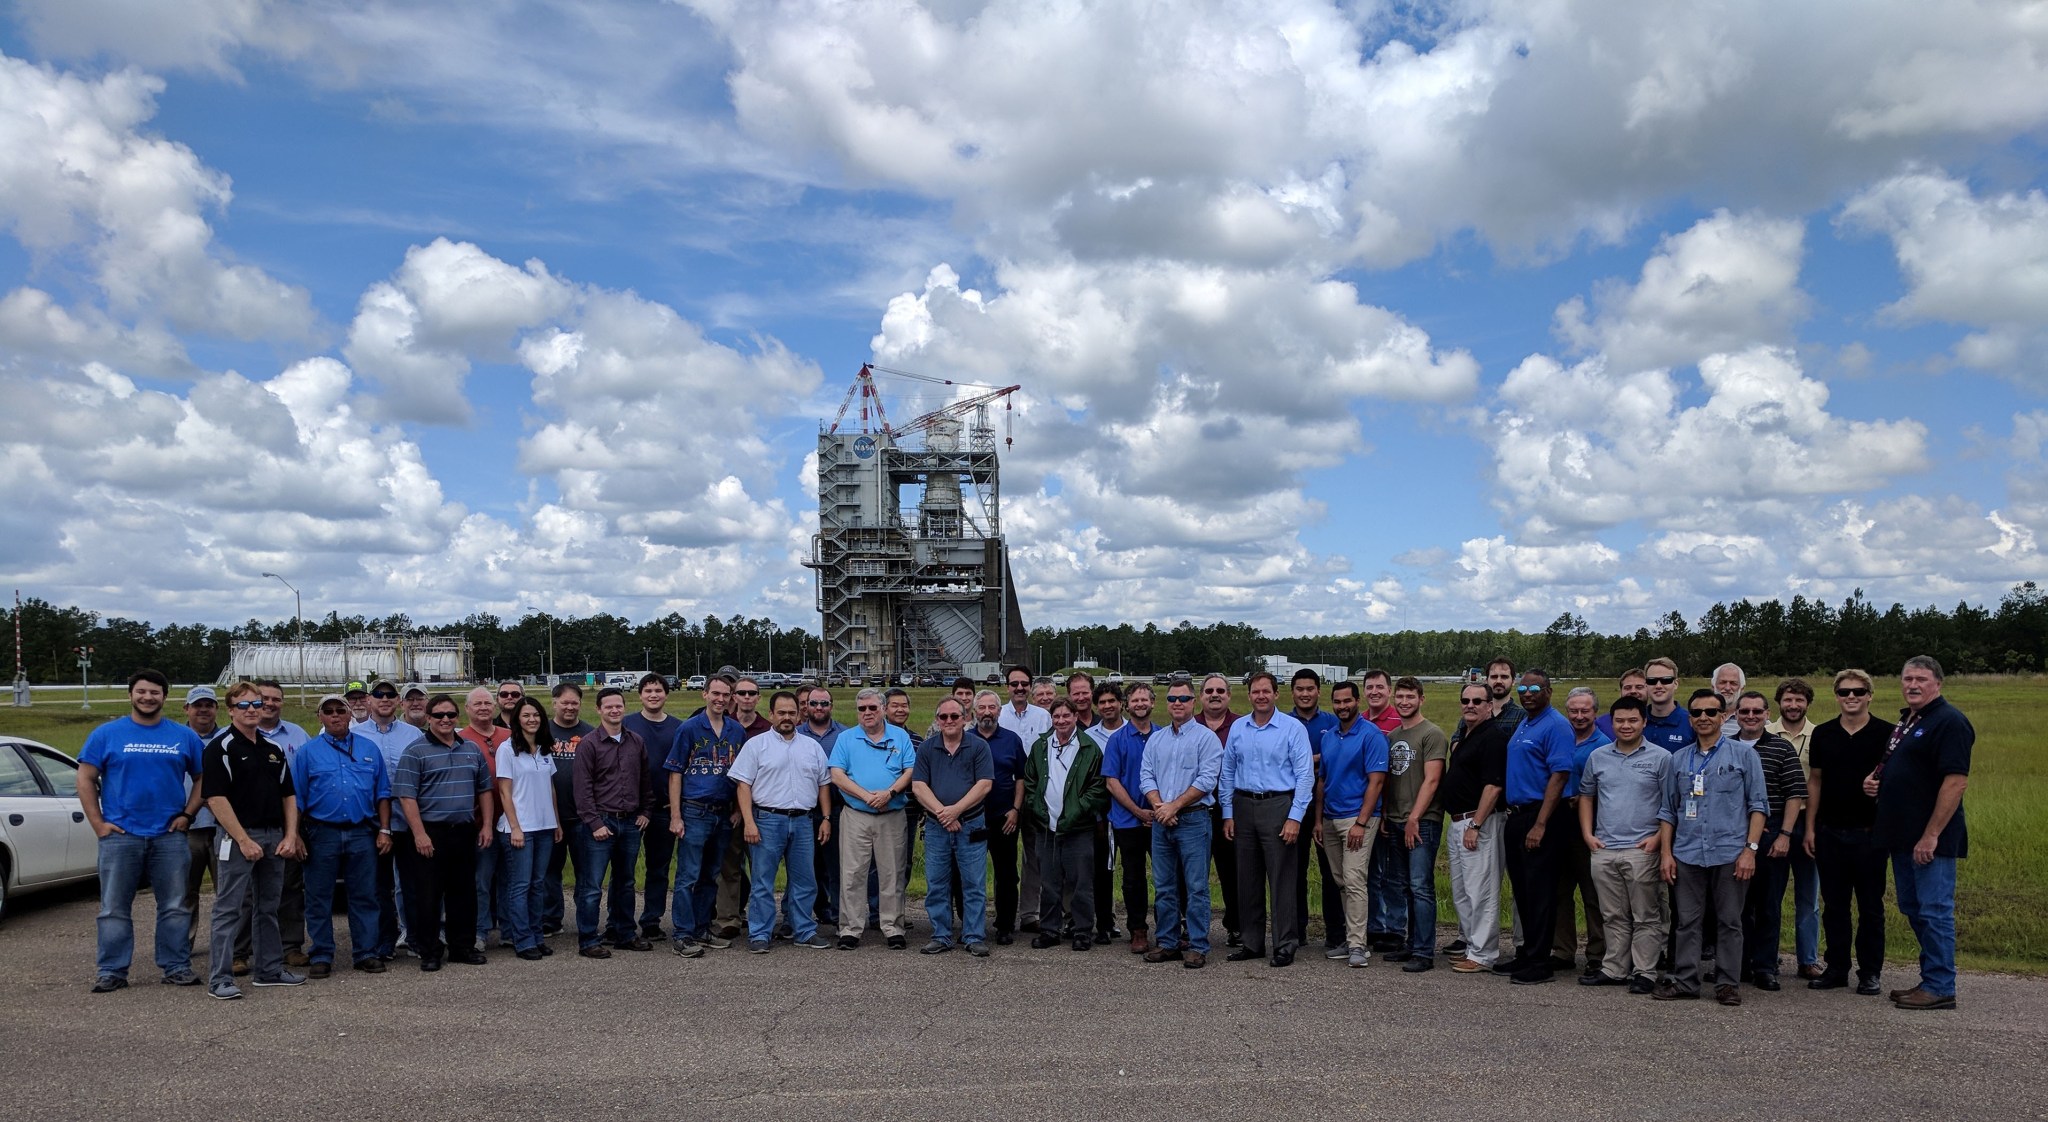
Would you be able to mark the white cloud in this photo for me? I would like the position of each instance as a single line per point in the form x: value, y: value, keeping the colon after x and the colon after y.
x: 1967, y: 259
x: 83, y: 179
x: 1728, y: 283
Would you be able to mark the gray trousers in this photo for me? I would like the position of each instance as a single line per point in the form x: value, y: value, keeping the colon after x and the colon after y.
x: 1265, y: 864
x: 1028, y: 887
x: 1696, y: 884
x: 1066, y: 871
x: 291, y: 909
x: 254, y: 887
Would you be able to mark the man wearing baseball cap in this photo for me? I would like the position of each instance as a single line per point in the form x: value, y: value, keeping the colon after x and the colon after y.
x: 357, y: 697
x: 392, y: 737
x: 202, y: 716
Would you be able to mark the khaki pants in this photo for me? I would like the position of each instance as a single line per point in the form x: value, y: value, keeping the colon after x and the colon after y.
x: 1631, y: 892
x: 870, y: 839
x: 1350, y: 867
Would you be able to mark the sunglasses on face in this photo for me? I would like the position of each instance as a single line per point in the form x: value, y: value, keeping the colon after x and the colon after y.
x: 1752, y: 712
x: 444, y: 715
x: 1471, y: 701
x: 1664, y: 681
x: 333, y: 710
x: 1020, y: 685
x: 1853, y: 691
x: 1179, y: 698
x: 746, y: 693
x: 1529, y: 689
x: 950, y: 717
x: 820, y: 704
x: 1216, y: 692
x: 1715, y: 712
x: 248, y: 705
x: 385, y: 696
x: 868, y: 708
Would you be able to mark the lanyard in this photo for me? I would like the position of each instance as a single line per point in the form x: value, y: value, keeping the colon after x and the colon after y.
x: 345, y: 749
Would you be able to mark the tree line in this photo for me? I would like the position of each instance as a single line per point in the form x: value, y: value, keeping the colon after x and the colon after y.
x: 1765, y: 637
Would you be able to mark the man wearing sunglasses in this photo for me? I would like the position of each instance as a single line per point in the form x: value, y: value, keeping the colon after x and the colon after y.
x: 443, y: 787
x: 1712, y: 816
x: 814, y: 709
x: 344, y: 799
x: 734, y: 882
x: 870, y: 766
x: 508, y: 695
x: 1181, y: 767
x: 1667, y: 726
x: 952, y: 777
x: 1027, y: 722
x: 1473, y: 781
x: 1539, y: 764
x: 248, y: 785
x: 1785, y: 789
x: 1213, y: 697
x: 1840, y: 836
x: 392, y: 736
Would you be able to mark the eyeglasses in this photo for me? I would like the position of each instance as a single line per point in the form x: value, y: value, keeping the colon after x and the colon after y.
x: 868, y: 708
x: 1213, y: 692
x: 385, y: 696
x: 1471, y: 701
x: 1020, y: 685
x: 1179, y: 698
x: 248, y: 705
x: 1715, y: 712
x: 333, y: 710
x: 949, y: 717
x: 1852, y: 691
x: 444, y: 715
x: 1664, y: 681
x: 820, y: 704
x: 508, y: 693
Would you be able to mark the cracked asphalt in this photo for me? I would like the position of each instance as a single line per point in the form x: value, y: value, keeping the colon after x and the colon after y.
x: 1024, y: 1034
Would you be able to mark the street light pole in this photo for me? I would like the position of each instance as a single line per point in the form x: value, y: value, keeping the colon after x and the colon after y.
x: 550, y: 621
x: 299, y: 615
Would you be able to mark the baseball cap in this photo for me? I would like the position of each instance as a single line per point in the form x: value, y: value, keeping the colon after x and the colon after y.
x: 201, y: 693
x: 325, y: 698
x: 412, y: 688
x: 355, y: 688
x: 389, y: 690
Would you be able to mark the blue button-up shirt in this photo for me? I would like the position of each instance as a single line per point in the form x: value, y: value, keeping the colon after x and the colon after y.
x: 1732, y: 784
x: 1541, y: 745
x: 1349, y: 759
x: 1123, y: 759
x: 391, y: 742
x: 340, y: 780
x: 1274, y: 756
x: 1177, y: 758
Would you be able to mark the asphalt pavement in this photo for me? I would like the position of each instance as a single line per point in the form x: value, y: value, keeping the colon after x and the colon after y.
x: 1022, y: 1035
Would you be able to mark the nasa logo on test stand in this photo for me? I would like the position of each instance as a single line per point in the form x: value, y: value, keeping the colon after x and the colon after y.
x: 864, y: 447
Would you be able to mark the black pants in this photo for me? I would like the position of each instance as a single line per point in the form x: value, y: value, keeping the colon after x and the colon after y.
x: 1223, y: 853
x: 1335, y: 933
x: 1851, y: 863
x: 1533, y: 873
x: 1267, y: 864
x: 1066, y: 892
x: 445, y: 882
x: 1002, y: 853
x: 1133, y: 847
x: 1763, y: 912
x: 825, y: 865
x: 387, y: 894
x: 1103, y: 881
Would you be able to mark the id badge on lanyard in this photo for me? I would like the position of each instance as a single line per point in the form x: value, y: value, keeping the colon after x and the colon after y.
x: 1699, y: 789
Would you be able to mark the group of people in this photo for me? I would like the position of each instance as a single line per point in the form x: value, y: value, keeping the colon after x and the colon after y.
x: 442, y: 828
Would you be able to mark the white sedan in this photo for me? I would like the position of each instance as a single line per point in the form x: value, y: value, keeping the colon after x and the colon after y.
x: 44, y: 839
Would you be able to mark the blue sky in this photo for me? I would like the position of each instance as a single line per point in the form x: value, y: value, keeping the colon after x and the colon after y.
x: 1329, y: 317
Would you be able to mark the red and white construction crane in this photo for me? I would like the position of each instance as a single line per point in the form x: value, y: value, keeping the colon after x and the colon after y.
x: 864, y: 388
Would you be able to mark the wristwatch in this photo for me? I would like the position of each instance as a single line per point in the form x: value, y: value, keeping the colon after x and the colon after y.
x: 1752, y: 847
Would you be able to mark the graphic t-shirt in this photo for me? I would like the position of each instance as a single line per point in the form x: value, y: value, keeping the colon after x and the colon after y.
x: 143, y: 769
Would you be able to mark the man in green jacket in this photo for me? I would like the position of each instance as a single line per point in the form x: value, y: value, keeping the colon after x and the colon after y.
x: 1064, y: 793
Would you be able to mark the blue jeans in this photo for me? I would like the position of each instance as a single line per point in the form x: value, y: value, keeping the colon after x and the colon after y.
x: 126, y: 861
x: 785, y: 840
x: 351, y: 854
x: 1386, y: 904
x: 525, y: 885
x: 949, y: 854
x: 620, y: 851
x: 697, y: 855
x: 660, y: 846
x: 1927, y: 898
x: 1180, y: 867
x: 551, y: 914
x: 1418, y: 886
x: 490, y: 895
x: 1805, y: 905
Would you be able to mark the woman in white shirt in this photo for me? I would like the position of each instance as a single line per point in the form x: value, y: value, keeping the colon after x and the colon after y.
x: 528, y: 830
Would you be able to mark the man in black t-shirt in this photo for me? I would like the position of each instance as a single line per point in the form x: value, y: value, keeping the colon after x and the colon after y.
x: 1473, y: 782
x: 569, y: 729
x: 1919, y: 790
x: 248, y: 786
x: 1839, y: 835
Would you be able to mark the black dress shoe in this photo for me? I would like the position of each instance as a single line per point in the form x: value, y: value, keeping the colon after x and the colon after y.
x: 1396, y: 956
x: 636, y: 943
x: 429, y: 963
x: 532, y: 954
x: 1029, y: 928
x: 1828, y: 982
x: 898, y: 942
x: 1243, y: 954
x: 1416, y: 965
x: 1083, y: 943
x: 1004, y: 938
x: 1282, y: 958
x: 1042, y: 940
x: 1767, y: 983
x: 1641, y: 984
x: 470, y: 957
x: 1868, y: 987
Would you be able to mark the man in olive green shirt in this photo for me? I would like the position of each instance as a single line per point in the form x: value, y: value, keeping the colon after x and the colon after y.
x: 1412, y: 823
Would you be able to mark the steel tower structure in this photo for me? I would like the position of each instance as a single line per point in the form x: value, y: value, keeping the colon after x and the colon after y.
x: 913, y: 572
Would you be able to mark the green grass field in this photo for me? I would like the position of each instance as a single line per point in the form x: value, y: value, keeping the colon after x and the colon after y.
x: 2002, y: 905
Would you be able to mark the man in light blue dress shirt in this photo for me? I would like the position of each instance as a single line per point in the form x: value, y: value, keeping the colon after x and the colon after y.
x: 1268, y: 777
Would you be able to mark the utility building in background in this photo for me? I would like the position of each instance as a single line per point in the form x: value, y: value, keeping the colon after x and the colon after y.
x: 913, y: 573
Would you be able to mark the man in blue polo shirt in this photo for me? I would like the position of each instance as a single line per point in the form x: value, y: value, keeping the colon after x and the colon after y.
x: 344, y: 798
x: 1665, y: 724
x: 1307, y: 689
x: 952, y: 778
x: 1539, y: 763
x: 1354, y: 771
x: 1268, y: 781
x: 1130, y: 819
x: 132, y: 787
x: 871, y: 765
x: 703, y: 809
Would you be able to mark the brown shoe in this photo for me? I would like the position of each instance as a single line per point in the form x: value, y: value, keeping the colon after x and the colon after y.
x: 729, y: 931
x: 1921, y: 999
x: 1138, y: 942
x: 1193, y: 960
x: 1467, y: 966
x: 241, y: 968
x: 1728, y: 995
x: 1897, y: 994
x: 1163, y: 954
x: 1812, y: 970
x: 296, y: 959
x: 320, y: 970
x: 1665, y: 991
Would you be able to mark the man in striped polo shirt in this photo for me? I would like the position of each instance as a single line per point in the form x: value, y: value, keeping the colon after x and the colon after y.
x: 443, y: 786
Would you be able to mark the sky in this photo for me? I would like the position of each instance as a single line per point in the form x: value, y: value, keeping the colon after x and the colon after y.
x: 1328, y: 317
